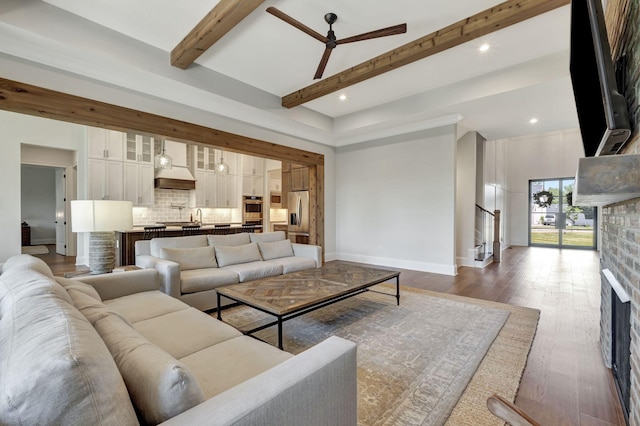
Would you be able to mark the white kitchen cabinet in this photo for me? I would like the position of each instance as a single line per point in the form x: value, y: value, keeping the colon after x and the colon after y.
x: 206, y: 191
x: 204, y: 158
x: 105, y: 180
x: 275, y: 185
x: 227, y: 196
x: 138, y: 184
x: 252, y: 166
x: 105, y: 144
x: 252, y: 175
x: 253, y: 185
x: 140, y: 149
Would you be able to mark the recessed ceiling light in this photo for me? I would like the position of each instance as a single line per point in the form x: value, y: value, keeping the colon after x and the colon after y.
x: 533, y: 120
x: 484, y: 47
x: 343, y: 97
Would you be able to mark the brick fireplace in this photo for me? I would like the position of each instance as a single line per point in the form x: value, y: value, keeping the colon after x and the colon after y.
x: 620, y: 243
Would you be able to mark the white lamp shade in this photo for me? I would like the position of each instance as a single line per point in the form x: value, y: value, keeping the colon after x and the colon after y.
x: 101, y: 215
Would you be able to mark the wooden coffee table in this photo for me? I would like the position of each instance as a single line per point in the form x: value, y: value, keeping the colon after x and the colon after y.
x: 291, y: 295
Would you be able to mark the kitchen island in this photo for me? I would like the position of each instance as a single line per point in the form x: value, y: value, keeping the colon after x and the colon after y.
x: 126, y: 240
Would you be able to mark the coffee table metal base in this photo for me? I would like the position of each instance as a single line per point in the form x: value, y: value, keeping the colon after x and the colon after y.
x: 306, y: 308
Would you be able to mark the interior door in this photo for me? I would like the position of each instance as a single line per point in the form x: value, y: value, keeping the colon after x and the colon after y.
x: 61, y: 216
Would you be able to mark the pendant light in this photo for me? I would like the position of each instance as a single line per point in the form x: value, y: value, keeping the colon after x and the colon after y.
x: 162, y: 161
x: 221, y: 168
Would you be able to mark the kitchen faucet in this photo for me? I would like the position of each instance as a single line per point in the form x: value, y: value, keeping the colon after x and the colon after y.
x: 199, y: 214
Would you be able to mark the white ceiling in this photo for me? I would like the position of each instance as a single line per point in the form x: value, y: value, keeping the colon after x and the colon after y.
x: 524, y: 74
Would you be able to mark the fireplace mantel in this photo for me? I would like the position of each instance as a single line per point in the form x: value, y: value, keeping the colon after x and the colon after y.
x: 606, y: 180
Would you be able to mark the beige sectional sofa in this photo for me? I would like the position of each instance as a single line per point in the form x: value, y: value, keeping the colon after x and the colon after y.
x: 193, y: 267
x: 113, y: 350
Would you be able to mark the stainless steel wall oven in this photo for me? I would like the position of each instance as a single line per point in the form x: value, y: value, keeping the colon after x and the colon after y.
x: 252, y: 210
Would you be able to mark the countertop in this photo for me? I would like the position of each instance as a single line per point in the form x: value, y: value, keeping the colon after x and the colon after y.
x: 204, y: 226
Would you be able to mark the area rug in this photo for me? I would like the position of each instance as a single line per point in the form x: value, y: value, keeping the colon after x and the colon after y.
x: 414, y: 360
x: 35, y: 250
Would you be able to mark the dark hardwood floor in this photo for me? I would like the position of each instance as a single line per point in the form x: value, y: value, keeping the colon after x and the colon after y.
x: 565, y: 381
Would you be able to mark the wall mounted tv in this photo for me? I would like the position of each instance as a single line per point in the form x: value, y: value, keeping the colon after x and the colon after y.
x: 602, y: 110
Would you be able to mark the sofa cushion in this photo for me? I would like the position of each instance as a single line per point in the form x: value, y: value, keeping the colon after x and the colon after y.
x: 160, y: 386
x: 255, y: 270
x: 267, y: 237
x: 191, y: 258
x: 157, y: 244
x: 168, y: 331
x: 222, y: 366
x: 232, y: 255
x: 197, y: 280
x: 54, y: 367
x: 276, y: 249
x: 27, y: 261
x: 229, y: 239
x: 294, y: 264
x: 147, y: 304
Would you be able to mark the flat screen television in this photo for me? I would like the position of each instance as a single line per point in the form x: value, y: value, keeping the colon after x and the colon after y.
x: 602, y: 110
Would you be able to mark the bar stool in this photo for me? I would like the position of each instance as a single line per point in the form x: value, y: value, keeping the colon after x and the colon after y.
x: 249, y: 228
x: 156, y: 231
x: 190, y: 230
x: 221, y: 229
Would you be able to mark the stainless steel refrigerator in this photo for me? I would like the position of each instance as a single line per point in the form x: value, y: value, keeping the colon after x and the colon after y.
x: 298, y: 204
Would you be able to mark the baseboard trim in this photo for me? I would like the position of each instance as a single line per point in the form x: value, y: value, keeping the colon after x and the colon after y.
x: 42, y: 241
x: 398, y: 263
x: 328, y: 257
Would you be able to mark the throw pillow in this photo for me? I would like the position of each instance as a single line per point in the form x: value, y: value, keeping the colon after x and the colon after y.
x: 232, y: 255
x: 229, y: 240
x: 276, y: 249
x: 157, y: 244
x: 267, y: 237
x: 191, y: 258
x: 160, y: 386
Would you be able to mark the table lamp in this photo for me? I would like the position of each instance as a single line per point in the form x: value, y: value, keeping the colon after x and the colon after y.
x: 101, y: 218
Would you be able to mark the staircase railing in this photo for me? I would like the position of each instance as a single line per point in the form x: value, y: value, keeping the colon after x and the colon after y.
x: 487, y: 234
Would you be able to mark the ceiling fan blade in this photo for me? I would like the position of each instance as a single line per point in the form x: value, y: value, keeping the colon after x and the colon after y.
x: 396, y: 29
x: 299, y: 25
x: 323, y: 63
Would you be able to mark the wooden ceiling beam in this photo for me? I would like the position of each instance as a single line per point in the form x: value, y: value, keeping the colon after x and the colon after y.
x: 493, y: 19
x: 219, y: 21
x: 46, y: 103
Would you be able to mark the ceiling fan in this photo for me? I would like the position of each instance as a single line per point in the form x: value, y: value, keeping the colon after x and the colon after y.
x: 330, y: 40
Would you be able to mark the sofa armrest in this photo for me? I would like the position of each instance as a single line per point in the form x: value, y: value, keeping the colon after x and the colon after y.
x: 310, y: 251
x: 118, y: 284
x: 316, y: 387
x: 169, y: 273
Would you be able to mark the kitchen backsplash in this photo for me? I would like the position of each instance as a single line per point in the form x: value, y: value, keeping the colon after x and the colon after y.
x: 278, y: 215
x: 167, y: 209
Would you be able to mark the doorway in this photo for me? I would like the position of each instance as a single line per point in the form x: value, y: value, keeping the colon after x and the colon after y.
x: 48, y: 183
x: 553, y: 219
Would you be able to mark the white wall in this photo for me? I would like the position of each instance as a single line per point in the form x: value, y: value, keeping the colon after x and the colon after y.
x: 542, y: 156
x: 496, y: 185
x: 38, y: 202
x: 395, y: 201
x: 17, y: 129
x: 465, y: 198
